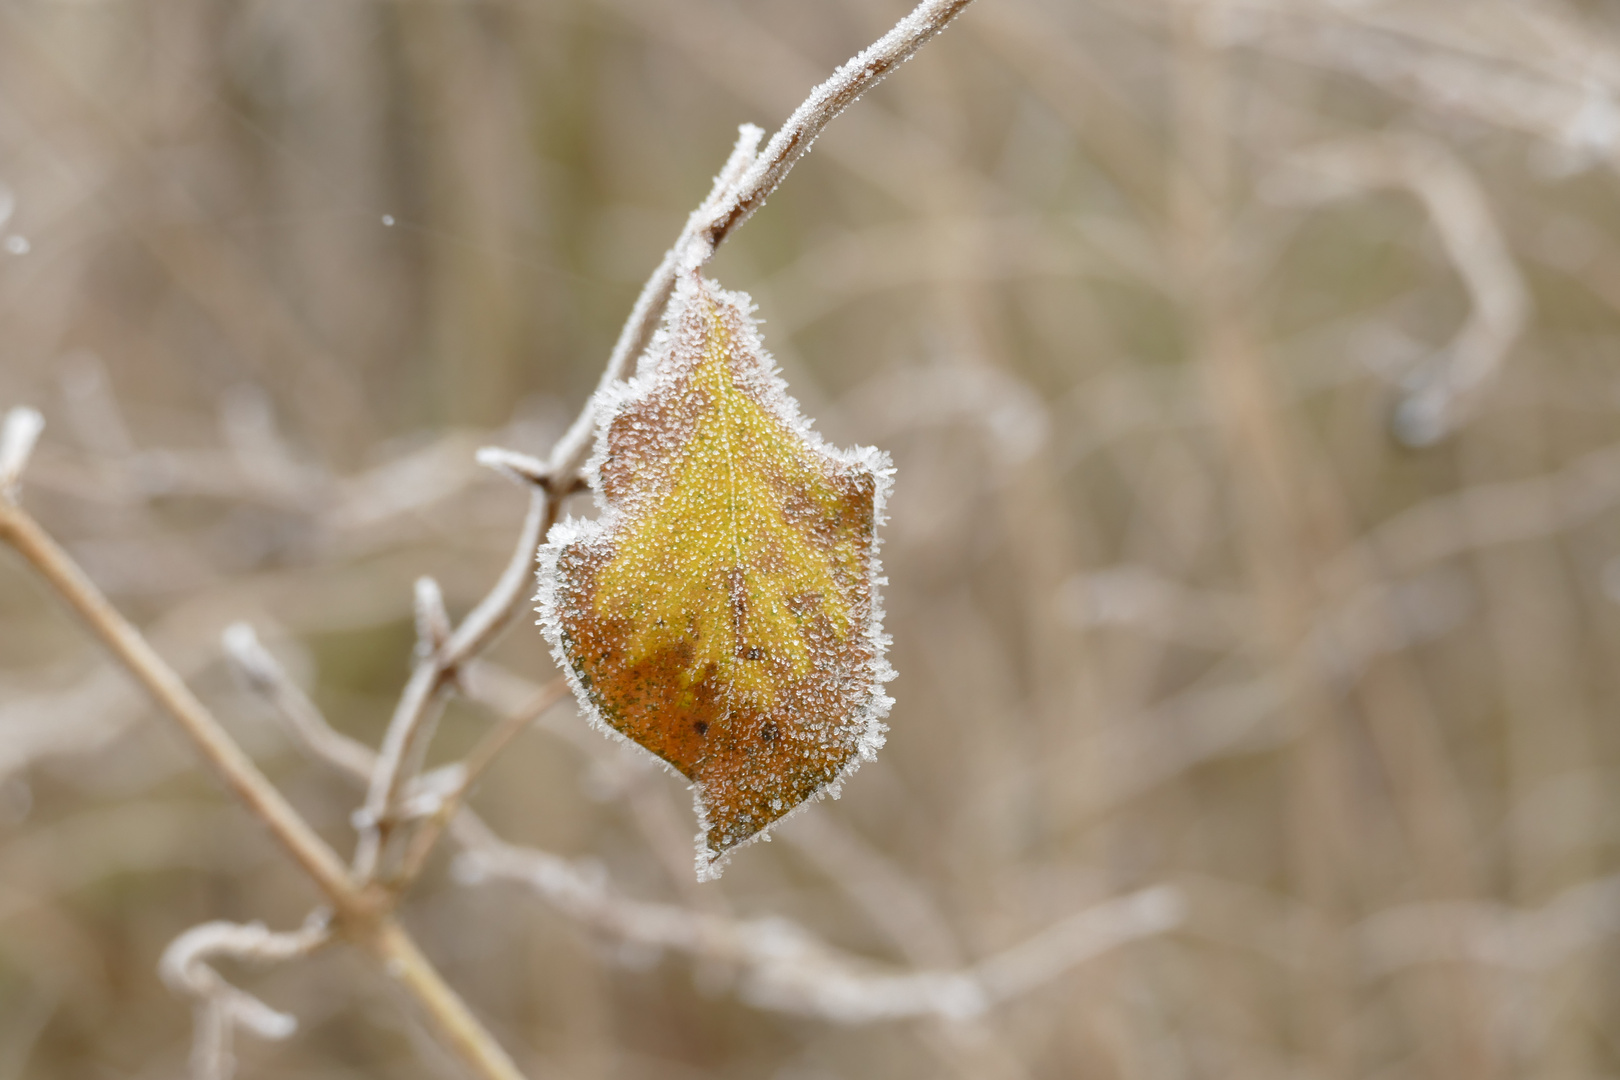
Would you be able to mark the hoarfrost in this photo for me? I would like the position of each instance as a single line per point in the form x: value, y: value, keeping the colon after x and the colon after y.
x: 723, y: 612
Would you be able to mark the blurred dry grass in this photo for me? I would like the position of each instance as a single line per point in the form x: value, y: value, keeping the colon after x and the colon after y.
x: 1130, y: 291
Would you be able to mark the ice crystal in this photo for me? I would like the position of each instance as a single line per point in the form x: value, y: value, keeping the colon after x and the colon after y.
x: 723, y: 611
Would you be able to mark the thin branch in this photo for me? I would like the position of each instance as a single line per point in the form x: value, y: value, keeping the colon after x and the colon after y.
x: 473, y: 767
x: 418, y: 705
x: 303, y: 718
x: 1517, y: 940
x: 222, y: 1008
x: 494, y: 613
x: 411, y: 727
x: 792, y: 141
x: 518, y: 467
x: 228, y: 761
x: 398, y: 955
x: 742, y: 187
x: 570, y: 452
x: 267, y: 678
x: 785, y: 969
x: 360, y: 913
x: 358, y: 762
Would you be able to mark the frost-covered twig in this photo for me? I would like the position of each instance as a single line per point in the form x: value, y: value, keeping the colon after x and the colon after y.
x: 569, y: 454
x: 437, y: 667
x: 357, y: 911
x: 1438, y: 392
x: 220, y: 1007
x: 523, y: 468
x: 267, y: 678
x: 23, y: 533
x: 792, y: 141
x: 495, y: 611
x: 358, y: 763
x: 785, y: 969
x: 742, y: 186
x: 471, y: 769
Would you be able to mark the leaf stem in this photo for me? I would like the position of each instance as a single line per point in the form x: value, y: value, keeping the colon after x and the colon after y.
x: 742, y: 186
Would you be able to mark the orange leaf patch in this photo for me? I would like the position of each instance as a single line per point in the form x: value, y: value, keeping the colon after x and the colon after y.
x: 723, y: 610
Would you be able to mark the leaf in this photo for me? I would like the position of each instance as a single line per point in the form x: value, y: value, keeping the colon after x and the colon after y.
x: 723, y: 611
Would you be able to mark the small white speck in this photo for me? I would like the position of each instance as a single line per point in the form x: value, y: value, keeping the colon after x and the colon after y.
x: 388, y: 220
x: 18, y: 245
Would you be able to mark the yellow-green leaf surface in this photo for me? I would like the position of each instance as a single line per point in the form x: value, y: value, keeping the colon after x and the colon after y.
x: 722, y: 611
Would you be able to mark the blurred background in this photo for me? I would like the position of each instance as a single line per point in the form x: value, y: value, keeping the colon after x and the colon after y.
x: 1250, y: 371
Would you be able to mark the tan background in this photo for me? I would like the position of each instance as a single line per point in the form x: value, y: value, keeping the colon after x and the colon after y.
x: 1127, y: 289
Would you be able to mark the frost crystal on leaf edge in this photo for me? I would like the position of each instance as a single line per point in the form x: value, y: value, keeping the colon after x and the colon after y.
x: 606, y: 404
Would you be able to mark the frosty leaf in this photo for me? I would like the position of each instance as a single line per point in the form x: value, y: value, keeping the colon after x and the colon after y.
x: 723, y: 610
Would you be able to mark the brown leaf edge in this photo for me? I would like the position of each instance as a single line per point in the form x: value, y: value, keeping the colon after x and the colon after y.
x: 607, y: 403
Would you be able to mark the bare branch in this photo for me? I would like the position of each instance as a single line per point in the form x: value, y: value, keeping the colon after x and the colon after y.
x: 741, y: 188
x: 571, y: 450
x: 411, y: 728
x: 515, y: 466
x: 228, y: 761
x: 1078, y: 938
x: 220, y: 1007
x: 267, y: 678
x: 785, y: 969
x: 413, y: 716
x: 472, y: 769
x: 1486, y: 515
x: 357, y: 911
x: 494, y: 613
x: 792, y: 141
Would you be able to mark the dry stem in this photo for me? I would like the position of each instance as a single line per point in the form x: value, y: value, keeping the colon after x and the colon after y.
x: 229, y: 762
x: 741, y: 187
x: 222, y: 1008
x: 360, y: 913
x: 437, y: 668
